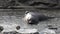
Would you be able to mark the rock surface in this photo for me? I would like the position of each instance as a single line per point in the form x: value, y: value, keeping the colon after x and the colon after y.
x: 42, y: 3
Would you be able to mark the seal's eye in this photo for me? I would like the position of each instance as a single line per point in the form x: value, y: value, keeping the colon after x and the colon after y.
x: 26, y: 12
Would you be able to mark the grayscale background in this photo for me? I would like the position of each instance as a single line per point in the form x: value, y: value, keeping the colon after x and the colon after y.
x: 10, y: 16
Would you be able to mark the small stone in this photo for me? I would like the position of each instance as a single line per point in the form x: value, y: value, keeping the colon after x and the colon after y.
x: 18, y: 27
x: 1, y: 28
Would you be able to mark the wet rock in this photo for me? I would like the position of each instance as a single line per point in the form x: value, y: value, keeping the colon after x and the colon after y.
x: 49, y: 3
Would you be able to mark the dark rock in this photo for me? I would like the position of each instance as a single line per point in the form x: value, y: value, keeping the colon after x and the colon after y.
x: 18, y: 27
x: 49, y: 3
x: 1, y: 28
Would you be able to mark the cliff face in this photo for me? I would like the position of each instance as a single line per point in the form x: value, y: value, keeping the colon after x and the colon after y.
x: 49, y: 3
x: 41, y: 3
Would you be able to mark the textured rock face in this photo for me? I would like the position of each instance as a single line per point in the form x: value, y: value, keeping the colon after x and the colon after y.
x: 41, y: 3
x: 26, y: 2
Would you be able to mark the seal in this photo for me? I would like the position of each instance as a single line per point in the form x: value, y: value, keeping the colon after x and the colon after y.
x: 35, y: 17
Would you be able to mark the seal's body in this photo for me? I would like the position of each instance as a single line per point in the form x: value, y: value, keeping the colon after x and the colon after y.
x: 34, y: 17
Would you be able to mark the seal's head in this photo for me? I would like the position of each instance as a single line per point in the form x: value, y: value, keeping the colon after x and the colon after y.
x: 30, y: 17
x: 27, y: 17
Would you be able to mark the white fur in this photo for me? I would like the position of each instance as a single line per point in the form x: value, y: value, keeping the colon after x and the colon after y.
x: 27, y: 16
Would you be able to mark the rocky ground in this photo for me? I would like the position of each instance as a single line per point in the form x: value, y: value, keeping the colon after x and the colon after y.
x: 9, y: 19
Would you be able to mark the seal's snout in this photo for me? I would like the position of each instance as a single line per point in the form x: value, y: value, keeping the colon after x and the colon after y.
x: 29, y: 21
